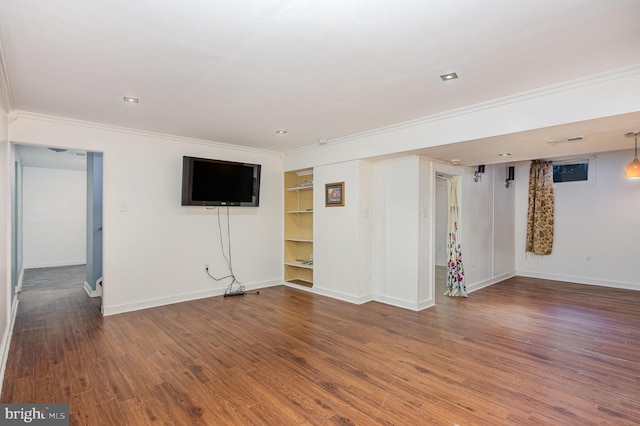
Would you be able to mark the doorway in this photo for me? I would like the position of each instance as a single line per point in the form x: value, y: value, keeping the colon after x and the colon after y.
x: 443, y: 175
x: 440, y: 234
x: 55, y: 205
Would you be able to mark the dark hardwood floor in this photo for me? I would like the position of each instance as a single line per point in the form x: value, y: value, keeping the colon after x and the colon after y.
x: 520, y: 352
x: 54, y: 278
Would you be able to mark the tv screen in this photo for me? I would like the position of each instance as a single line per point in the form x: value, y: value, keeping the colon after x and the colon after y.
x: 207, y: 182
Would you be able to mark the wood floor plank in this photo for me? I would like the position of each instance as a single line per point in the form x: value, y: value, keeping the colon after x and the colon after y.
x: 77, y: 372
x: 140, y: 374
x: 24, y: 389
x: 296, y: 394
x: 62, y: 377
x: 82, y: 408
x: 523, y: 351
x: 154, y: 411
x: 46, y: 392
x: 185, y: 402
x: 134, y: 412
x: 42, y: 364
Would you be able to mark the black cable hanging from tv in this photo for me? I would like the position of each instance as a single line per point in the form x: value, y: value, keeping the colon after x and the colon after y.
x: 239, y: 286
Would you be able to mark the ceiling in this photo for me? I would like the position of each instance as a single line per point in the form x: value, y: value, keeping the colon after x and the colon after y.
x: 235, y: 71
x: 56, y: 158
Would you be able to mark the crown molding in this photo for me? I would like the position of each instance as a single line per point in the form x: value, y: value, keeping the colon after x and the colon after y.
x: 130, y: 131
x: 5, y: 88
x: 630, y: 71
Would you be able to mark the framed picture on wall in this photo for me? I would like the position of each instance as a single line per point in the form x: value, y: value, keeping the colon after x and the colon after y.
x: 334, y: 194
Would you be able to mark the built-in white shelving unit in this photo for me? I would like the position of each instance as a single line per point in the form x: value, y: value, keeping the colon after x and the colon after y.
x: 298, y: 228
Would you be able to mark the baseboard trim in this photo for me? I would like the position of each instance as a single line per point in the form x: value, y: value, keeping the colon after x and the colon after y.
x: 401, y: 303
x: 56, y: 264
x: 580, y: 280
x: 91, y: 292
x: 6, y: 340
x: 20, y: 281
x: 358, y: 300
x: 170, y: 300
x: 486, y: 283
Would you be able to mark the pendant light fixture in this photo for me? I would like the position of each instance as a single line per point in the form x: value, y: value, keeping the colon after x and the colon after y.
x: 633, y: 168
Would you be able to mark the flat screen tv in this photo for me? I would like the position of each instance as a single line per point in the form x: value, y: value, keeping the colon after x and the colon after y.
x: 207, y: 182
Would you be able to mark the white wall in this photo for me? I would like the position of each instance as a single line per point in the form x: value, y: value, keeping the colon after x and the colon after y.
x: 54, y: 217
x: 155, y: 249
x: 17, y: 219
x: 488, y: 224
x: 599, y: 220
x: 441, y: 221
x: 342, y: 235
x: 6, y: 300
x: 504, y: 224
x: 566, y: 103
x: 397, y: 232
x: 487, y: 227
x: 477, y: 226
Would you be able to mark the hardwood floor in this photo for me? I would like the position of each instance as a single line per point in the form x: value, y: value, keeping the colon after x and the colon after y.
x: 523, y: 351
x: 54, y: 278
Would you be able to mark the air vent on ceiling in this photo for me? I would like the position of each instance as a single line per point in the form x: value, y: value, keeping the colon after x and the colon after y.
x: 566, y: 140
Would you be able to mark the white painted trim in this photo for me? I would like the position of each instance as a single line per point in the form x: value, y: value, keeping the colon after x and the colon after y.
x: 486, y: 283
x: 425, y: 304
x: 137, y: 132
x: 401, y: 303
x: 56, y: 264
x: 580, y: 280
x: 6, y: 340
x: 162, y: 301
x: 20, y: 281
x: 358, y: 300
x: 499, y: 102
x: 91, y: 292
x: 5, y: 87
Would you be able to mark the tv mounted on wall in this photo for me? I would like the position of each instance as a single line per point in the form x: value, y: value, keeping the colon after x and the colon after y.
x: 207, y: 182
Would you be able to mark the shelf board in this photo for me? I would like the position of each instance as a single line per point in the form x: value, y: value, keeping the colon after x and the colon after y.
x: 299, y: 264
x: 300, y: 211
x: 299, y: 281
x: 299, y: 240
x: 300, y: 188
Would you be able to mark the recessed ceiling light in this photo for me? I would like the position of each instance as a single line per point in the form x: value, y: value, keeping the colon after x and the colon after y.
x: 450, y: 76
x: 505, y: 154
x: 129, y: 100
x: 281, y: 132
x: 454, y: 161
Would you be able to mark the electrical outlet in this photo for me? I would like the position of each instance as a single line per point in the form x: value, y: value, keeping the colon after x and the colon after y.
x: 206, y: 266
x: 587, y: 259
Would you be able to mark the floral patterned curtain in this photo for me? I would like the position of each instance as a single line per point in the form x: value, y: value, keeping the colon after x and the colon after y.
x: 540, y: 213
x: 455, y: 269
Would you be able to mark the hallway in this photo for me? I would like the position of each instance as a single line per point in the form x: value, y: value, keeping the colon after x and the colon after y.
x: 53, y: 278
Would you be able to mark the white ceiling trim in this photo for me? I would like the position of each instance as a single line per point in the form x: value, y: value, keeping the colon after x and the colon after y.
x: 5, y: 88
x: 621, y: 73
x: 117, y: 129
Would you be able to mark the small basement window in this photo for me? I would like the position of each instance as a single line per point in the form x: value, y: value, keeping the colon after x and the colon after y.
x: 571, y: 171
